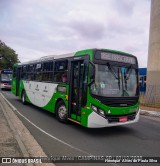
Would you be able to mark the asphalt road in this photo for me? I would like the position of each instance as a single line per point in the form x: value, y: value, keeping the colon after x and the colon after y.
x: 58, y: 139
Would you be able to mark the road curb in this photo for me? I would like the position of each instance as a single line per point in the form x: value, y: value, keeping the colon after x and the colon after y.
x: 27, y: 144
x: 16, y: 134
x: 10, y: 105
x: 150, y: 113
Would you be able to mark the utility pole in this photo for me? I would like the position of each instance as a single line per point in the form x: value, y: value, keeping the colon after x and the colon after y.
x: 153, y: 67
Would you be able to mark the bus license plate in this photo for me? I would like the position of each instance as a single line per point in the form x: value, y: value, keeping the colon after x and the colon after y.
x: 123, y: 119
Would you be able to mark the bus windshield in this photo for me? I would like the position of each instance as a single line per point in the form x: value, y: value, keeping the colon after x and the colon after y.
x: 115, y: 81
x: 6, y: 77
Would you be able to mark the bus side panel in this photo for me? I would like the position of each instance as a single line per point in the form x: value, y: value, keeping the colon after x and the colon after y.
x: 24, y: 86
x: 21, y: 87
x: 47, y: 94
x: 85, y: 112
x: 13, y: 89
x: 51, y: 106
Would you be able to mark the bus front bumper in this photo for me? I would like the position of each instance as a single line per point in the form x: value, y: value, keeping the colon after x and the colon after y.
x: 97, y: 121
x: 3, y: 86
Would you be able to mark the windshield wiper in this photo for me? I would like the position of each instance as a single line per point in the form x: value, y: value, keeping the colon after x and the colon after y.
x: 125, y: 93
x: 128, y: 72
x: 114, y: 74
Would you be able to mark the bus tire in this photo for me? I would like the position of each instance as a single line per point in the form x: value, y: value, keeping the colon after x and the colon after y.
x: 61, y: 112
x: 23, y: 98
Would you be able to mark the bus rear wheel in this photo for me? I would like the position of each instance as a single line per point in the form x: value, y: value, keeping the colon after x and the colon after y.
x: 61, y: 112
x: 24, y: 97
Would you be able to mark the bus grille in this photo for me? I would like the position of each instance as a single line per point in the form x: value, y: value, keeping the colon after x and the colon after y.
x: 119, y: 102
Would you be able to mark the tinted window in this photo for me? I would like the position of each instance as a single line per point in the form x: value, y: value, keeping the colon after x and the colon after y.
x: 47, y: 71
x: 60, y: 72
x: 24, y: 74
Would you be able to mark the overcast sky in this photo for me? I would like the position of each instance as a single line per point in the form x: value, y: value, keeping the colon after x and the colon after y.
x: 35, y: 28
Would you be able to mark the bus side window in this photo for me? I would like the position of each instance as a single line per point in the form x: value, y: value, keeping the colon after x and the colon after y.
x: 38, y: 72
x: 61, y: 68
x: 24, y: 72
x: 30, y: 72
x: 47, y: 71
x: 14, y: 72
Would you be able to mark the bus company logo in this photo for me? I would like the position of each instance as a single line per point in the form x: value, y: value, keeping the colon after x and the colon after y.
x: 109, y: 111
x: 123, y: 105
x: 6, y: 160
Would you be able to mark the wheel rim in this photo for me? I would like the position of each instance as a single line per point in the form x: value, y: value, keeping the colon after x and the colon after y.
x: 62, y: 112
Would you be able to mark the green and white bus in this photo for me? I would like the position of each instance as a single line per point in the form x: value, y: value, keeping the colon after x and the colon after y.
x: 94, y: 87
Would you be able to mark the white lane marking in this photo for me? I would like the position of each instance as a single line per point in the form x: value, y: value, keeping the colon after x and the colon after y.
x: 55, y: 138
x: 59, y: 140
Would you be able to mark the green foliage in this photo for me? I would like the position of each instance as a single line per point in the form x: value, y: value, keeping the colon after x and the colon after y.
x: 8, y: 57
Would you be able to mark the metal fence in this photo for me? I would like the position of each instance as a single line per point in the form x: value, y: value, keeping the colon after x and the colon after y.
x: 151, y: 98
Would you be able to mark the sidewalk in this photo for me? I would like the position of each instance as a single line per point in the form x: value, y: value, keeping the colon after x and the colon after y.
x: 15, y: 139
x: 149, y: 111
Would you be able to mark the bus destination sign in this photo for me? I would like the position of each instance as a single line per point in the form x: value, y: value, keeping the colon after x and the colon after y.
x: 6, y: 72
x: 117, y: 58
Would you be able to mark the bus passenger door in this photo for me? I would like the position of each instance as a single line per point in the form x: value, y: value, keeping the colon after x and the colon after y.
x: 78, y: 88
x: 18, y: 80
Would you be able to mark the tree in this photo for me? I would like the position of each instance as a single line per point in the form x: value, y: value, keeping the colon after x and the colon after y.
x: 8, y: 57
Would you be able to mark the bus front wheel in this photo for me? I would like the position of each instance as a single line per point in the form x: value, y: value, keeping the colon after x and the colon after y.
x: 24, y: 97
x: 61, y: 112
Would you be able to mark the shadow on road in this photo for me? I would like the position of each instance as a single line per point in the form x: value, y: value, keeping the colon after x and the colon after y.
x: 107, y: 131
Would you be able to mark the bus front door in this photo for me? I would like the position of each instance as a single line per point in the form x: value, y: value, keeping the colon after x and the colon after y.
x: 77, y: 89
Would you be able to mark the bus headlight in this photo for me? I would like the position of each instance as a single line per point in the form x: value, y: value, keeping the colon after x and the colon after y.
x: 101, y: 112
x: 94, y: 108
x: 98, y: 111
